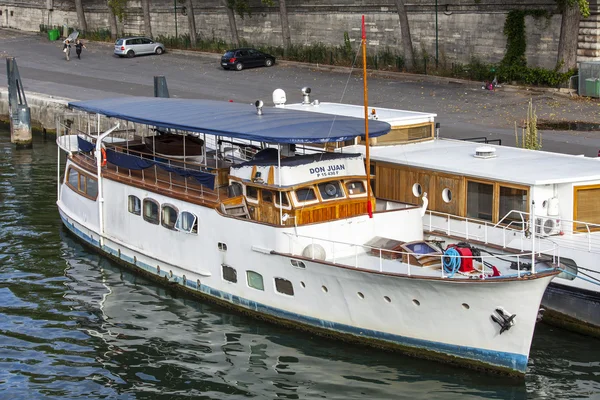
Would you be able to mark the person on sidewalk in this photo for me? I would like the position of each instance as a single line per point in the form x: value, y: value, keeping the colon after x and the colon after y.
x: 67, y: 48
x: 78, y: 47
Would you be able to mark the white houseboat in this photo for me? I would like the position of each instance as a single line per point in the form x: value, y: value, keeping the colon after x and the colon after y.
x: 490, y: 194
x: 288, y: 239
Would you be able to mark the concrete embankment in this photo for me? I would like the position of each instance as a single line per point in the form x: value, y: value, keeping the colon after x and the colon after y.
x: 44, y: 109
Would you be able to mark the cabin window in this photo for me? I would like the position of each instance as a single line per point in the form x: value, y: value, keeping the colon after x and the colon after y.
x: 284, y: 199
x: 91, y: 188
x: 82, y: 183
x: 284, y: 286
x: 222, y: 246
x: 134, y: 205
x: 297, y: 263
x: 235, y: 189
x: 267, y: 196
x: 355, y: 187
x: 512, y: 199
x: 331, y: 190
x: 229, y: 274
x: 480, y: 200
x: 168, y: 216
x: 255, y: 280
x: 151, y: 211
x: 73, y: 177
x: 417, y: 190
x: 306, y: 194
x: 187, y: 222
x: 252, y: 192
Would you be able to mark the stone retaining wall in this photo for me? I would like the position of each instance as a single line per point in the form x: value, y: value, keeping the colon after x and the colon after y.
x: 466, y: 29
x: 44, y: 109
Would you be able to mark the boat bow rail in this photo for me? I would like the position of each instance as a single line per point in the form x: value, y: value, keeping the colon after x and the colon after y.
x: 386, y: 260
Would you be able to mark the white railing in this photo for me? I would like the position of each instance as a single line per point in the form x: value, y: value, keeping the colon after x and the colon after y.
x: 341, y: 252
x: 586, y: 237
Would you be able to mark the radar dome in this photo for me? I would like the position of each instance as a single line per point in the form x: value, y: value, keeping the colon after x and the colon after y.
x: 279, y: 98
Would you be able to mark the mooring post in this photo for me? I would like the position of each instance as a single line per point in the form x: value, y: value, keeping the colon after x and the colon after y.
x: 160, y: 86
x: 20, y: 115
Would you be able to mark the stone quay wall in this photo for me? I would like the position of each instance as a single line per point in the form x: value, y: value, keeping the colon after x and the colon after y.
x: 466, y: 29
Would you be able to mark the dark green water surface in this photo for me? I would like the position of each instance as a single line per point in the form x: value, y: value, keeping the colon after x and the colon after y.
x: 73, y: 325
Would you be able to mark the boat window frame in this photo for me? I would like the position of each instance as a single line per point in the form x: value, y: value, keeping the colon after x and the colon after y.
x: 235, y: 278
x: 499, y: 185
x: 494, y: 211
x: 162, y: 219
x: 262, y: 199
x: 157, y: 204
x: 195, y: 224
x: 354, y: 195
x: 316, y: 200
x: 275, y: 279
x: 252, y: 199
x: 284, y: 195
x: 340, y: 189
x: 262, y: 280
x: 80, y: 175
x: 129, y: 205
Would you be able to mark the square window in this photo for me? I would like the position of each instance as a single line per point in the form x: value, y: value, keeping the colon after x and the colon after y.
x: 229, y: 274
x: 168, y: 217
x: 255, y: 280
x: 284, y: 286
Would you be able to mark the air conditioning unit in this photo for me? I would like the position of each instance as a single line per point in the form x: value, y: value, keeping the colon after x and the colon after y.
x: 547, y: 226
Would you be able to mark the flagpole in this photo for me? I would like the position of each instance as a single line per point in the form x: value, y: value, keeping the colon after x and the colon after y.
x: 366, y: 103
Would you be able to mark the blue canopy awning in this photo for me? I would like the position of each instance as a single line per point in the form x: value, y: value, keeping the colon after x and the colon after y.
x: 234, y: 120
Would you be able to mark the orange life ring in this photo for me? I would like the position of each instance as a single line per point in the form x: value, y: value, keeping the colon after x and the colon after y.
x: 103, y: 152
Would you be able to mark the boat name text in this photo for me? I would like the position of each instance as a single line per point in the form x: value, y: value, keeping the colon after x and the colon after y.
x: 330, y: 170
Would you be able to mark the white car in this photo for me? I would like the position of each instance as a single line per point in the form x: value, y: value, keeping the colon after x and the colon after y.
x: 137, y: 45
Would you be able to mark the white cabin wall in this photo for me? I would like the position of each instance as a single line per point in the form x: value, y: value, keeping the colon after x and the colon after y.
x: 541, y: 194
x: 564, y: 193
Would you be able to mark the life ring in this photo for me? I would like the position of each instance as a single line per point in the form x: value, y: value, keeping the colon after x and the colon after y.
x: 103, y: 162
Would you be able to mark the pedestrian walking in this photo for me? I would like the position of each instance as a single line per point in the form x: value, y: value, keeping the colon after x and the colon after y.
x: 78, y: 47
x: 67, y: 48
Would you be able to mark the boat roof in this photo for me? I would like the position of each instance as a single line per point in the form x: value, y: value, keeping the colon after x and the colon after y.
x: 511, y: 164
x: 389, y: 115
x: 235, y: 120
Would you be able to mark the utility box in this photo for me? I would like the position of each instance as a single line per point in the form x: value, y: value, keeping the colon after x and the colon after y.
x: 589, y: 79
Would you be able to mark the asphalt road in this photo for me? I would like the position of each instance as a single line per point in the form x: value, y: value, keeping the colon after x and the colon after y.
x: 464, y: 110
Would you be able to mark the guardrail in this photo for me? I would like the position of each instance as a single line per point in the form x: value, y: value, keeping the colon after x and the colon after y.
x: 346, y: 250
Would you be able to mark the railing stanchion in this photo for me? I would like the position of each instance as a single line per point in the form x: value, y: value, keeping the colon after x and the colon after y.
x: 380, y: 261
x: 518, y: 267
x: 408, y: 262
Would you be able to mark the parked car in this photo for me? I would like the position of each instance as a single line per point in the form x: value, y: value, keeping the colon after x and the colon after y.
x: 137, y: 45
x: 244, y: 58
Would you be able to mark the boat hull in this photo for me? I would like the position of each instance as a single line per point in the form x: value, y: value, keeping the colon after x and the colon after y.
x: 465, y: 335
x: 572, y: 308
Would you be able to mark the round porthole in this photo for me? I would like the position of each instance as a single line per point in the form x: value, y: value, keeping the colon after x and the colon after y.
x: 324, y: 288
x: 360, y: 295
x: 465, y: 306
x: 302, y: 283
x: 417, y: 190
x: 330, y: 189
x: 447, y: 195
x: 416, y: 302
x: 386, y: 298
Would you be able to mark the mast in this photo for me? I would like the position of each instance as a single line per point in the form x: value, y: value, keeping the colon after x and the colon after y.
x: 366, y: 104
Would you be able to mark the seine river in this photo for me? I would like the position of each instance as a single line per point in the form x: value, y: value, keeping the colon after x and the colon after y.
x: 73, y: 325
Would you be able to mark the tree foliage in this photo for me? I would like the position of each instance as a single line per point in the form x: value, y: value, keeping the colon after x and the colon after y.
x: 584, y: 6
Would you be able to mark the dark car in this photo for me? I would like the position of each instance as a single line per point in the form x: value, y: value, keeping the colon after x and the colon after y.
x: 244, y: 58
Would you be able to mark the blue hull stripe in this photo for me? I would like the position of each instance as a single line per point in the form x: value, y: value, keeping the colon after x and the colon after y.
x: 512, y: 361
